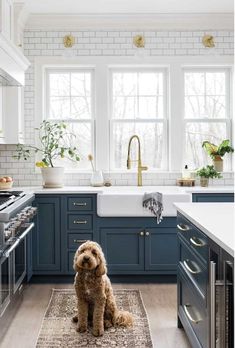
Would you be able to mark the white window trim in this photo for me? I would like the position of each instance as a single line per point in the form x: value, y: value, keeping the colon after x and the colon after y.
x: 101, y: 65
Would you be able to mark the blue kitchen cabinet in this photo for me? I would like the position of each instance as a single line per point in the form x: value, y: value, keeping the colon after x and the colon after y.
x: 161, y: 250
x: 213, y: 197
x: 139, y: 245
x: 47, y: 236
x: 123, y: 248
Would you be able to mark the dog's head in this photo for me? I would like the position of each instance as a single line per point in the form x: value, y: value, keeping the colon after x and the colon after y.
x: 89, y: 256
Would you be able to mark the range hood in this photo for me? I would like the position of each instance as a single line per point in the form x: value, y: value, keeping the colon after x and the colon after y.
x: 13, y: 64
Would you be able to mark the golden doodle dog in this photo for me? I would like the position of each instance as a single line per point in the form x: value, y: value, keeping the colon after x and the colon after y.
x: 95, y: 298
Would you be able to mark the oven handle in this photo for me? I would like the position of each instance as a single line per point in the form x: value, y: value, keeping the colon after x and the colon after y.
x: 29, y: 226
x: 7, y: 253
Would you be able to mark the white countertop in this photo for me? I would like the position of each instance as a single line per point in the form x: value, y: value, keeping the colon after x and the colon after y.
x: 126, y: 189
x: 216, y: 220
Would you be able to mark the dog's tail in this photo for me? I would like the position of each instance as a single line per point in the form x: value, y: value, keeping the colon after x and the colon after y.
x: 124, y: 319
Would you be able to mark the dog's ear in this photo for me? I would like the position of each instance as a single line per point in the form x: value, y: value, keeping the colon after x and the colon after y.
x: 101, y: 269
x: 75, y: 266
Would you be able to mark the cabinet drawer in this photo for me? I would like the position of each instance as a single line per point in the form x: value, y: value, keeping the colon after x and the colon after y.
x: 193, y: 312
x: 80, y: 204
x: 194, y: 268
x: 80, y: 222
x: 76, y: 239
x: 193, y: 236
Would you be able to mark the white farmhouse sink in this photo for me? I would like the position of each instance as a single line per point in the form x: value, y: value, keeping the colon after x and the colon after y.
x: 128, y: 202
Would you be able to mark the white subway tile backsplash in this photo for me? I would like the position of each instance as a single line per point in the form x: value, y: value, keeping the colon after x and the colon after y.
x: 105, y: 43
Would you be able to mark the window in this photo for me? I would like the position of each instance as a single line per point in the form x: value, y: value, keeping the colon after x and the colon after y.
x: 69, y: 98
x: 138, y: 106
x: 206, y: 111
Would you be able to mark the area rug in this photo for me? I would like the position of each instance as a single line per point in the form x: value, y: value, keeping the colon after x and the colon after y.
x: 58, y: 330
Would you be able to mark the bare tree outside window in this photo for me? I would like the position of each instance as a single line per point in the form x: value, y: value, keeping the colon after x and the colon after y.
x: 69, y: 99
x: 206, y: 112
x: 138, y: 107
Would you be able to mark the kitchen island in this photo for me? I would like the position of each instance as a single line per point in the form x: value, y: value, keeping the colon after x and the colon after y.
x: 205, y: 273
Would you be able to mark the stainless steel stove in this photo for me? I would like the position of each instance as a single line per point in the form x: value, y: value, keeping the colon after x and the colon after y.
x: 16, y: 222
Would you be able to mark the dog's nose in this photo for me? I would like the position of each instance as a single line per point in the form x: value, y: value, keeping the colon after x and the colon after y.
x: 86, y: 258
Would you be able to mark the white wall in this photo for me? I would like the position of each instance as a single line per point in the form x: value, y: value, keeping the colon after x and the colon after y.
x: 105, y: 43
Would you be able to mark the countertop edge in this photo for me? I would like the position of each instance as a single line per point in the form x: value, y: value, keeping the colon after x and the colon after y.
x: 204, y: 230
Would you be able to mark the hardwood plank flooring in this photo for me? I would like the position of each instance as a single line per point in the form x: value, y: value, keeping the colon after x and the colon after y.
x: 159, y: 301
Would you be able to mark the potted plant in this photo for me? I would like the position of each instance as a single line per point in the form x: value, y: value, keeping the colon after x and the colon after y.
x: 217, y: 152
x: 54, y: 139
x: 206, y: 173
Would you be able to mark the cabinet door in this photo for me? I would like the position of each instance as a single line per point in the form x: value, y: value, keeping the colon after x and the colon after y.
x: 46, y: 239
x: 123, y: 249
x: 161, y: 251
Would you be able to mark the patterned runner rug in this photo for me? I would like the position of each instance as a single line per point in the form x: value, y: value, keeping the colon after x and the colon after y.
x: 58, y: 330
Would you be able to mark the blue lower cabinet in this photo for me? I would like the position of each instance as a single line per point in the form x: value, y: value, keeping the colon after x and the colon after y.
x: 161, y: 252
x: 192, y: 313
x: 213, y: 197
x: 123, y: 249
x: 47, y: 236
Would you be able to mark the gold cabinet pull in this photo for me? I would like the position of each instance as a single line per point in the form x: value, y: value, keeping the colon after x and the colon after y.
x: 186, y: 265
x: 197, y: 242
x: 186, y: 309
x: 79, y: 204
x: 147, y: 233
x: 141, y: 233
x: 183, y: 227
x: 79, y: 240
x: 80, y: 222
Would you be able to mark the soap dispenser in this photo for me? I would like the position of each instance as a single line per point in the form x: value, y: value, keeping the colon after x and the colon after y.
x: 186, y: 173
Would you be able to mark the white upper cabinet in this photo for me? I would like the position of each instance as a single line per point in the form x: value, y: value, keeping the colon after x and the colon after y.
x: 6, y: 19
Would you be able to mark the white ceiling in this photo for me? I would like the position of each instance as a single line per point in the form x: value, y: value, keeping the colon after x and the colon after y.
x: 127, y: 6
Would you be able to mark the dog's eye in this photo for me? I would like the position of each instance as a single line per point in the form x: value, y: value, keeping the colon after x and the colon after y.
x: 94, y: 252
x: 82, y: 251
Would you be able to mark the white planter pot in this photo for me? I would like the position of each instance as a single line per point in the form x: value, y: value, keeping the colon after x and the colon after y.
x: 53, y: 177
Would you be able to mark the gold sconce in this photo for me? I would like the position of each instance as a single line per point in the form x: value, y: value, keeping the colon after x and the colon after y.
x: 69, y: 41
x: 139, y: 41
x: 208, y: 41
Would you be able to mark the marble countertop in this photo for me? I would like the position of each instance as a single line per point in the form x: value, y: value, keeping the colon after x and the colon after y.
x: 216, y: 220
x: 126, y: 189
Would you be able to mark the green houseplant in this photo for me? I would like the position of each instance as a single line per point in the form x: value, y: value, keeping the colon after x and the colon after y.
x: 216, y: 152
x: 206, y: 173
x: 54, y: 144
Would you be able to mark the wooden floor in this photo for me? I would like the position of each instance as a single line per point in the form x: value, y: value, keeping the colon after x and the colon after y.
x: 159, y: 300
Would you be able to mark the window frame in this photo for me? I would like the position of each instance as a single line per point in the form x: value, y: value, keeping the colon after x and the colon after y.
x: 163, y: 120
x: 46, y: 104
x: 228, y: 100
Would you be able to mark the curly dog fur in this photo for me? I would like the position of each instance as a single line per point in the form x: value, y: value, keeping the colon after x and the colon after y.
x: 95, y: 298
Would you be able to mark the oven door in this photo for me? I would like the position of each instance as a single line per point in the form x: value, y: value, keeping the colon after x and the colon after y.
x: 19, y: 258
x: 5, y: 282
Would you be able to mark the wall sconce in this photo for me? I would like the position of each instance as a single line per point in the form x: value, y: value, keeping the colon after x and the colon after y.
x: 69, y: 41
x: 139, y: 41
x: 208, y: 41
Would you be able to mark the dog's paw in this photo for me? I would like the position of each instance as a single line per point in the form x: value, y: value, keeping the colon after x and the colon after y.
x: 107, y: 324
x: 75, y: 319
x: 98, y: 331
x: 81, y: 328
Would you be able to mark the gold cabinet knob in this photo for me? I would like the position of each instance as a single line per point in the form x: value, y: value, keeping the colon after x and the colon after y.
x: 142, y: 233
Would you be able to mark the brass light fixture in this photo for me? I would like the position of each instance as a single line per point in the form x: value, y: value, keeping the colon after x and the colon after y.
x: 208, y: 41
x: 69, y: 41
x: 139, y: 41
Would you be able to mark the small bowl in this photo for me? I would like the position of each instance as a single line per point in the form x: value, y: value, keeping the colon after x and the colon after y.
x: 6, y: 185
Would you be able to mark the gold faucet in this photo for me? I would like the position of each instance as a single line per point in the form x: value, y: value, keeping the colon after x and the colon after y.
x: 140, y: 167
